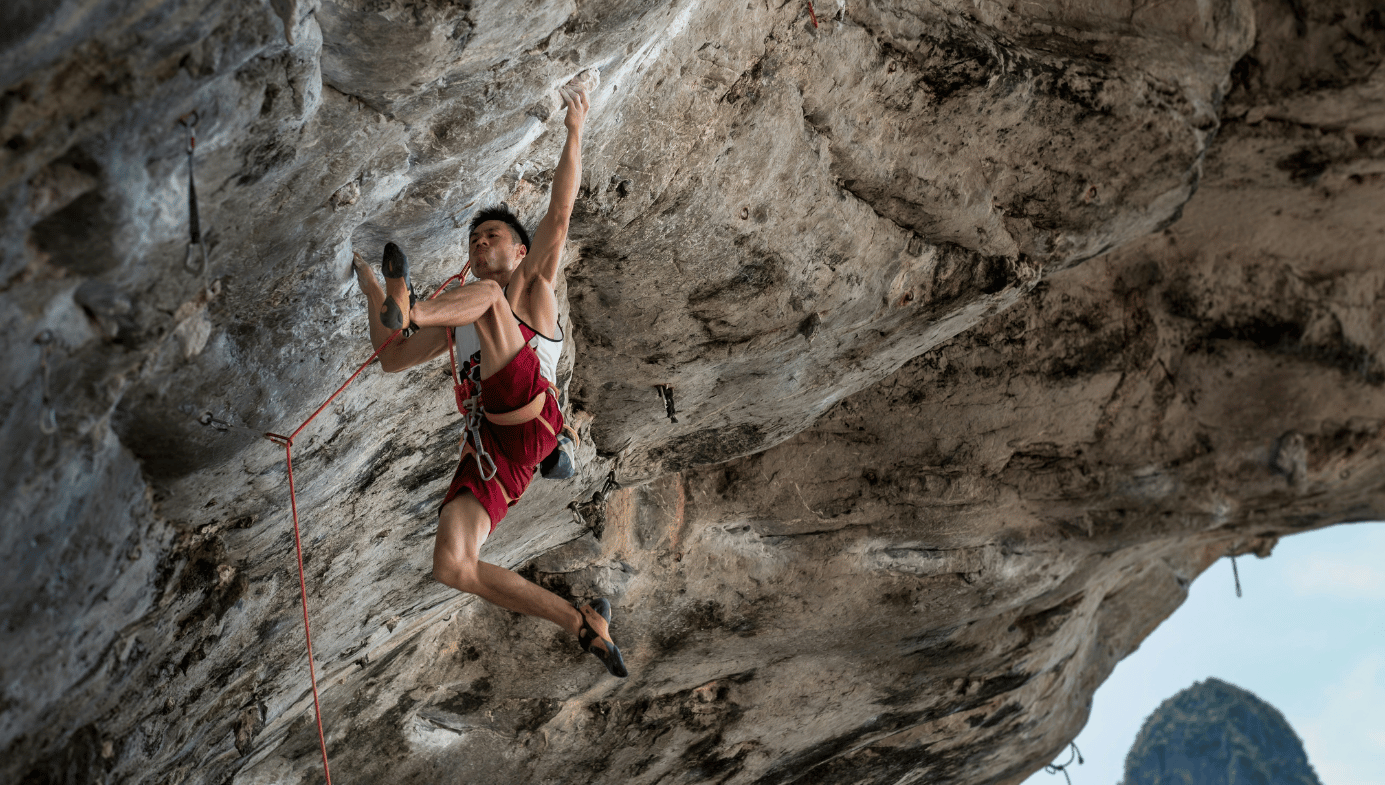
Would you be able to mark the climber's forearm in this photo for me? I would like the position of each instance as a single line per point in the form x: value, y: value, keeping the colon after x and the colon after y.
x: 567, y: 178
x: 541, y: 263
x: 543, y: 258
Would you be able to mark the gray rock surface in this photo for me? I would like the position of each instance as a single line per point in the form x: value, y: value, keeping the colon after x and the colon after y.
x: 969, y: 382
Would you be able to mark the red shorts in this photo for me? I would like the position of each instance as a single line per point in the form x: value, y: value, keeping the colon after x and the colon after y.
x: 516, y: 449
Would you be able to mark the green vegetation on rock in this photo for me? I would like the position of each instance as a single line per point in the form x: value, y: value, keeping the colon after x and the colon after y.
x: 1214, y: 733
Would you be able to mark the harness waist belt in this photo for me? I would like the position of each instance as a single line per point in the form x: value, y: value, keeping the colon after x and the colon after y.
x: 525, y: 413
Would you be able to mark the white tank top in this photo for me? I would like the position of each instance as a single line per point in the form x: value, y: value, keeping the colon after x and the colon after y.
x: 549, y: 350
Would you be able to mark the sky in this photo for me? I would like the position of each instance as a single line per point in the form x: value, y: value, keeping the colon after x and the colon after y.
x: 1307, y: 637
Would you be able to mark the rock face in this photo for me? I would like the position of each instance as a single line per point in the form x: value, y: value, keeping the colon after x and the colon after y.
x: 988, y: 328
x: 1213, y: 733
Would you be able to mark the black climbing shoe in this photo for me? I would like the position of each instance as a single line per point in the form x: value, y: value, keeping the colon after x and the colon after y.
x: 599, y: 643
x: 395, y: 267
x: 559, y: 465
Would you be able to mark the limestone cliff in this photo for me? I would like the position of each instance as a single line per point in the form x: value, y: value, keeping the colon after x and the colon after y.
x: 988, y: 327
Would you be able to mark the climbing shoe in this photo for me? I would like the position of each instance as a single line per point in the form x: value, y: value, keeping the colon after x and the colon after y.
x: 399, y: 292
x: 560, y: 465
x: 597, y: 639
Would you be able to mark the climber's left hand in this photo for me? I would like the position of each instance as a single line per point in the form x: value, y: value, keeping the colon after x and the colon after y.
x: 575, y: 98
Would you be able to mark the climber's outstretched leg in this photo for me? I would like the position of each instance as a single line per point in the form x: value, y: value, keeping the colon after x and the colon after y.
x: 463, y: 525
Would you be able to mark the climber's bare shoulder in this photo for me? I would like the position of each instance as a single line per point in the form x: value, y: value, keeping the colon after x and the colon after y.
x: 533, y: 300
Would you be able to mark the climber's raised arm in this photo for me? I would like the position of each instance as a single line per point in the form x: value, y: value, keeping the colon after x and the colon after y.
x: 540, y: 265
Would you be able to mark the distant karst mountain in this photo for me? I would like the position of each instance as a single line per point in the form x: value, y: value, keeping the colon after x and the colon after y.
x: 1214, y: 733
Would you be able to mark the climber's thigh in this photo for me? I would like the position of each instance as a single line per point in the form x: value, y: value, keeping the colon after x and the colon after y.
x: 498, y: 333
x: 463, y: 526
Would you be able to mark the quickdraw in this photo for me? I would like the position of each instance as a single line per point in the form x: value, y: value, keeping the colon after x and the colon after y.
x: 471, y: 410
x: 192, y: 265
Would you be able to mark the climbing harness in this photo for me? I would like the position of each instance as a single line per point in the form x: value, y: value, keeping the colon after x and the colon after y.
x: 467, y: 390
x: 48, y: 417
x: 1054, y: 768
x: 1237, y: 575
x: 194, y: 266
x: 287, y: 443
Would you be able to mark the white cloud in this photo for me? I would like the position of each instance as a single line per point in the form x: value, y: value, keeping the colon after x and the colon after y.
x: 1355, y: 576
x: 1344, y: 739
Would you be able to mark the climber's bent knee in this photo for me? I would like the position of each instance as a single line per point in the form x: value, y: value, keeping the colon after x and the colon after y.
x: 463, y: 526
x: 461, y: 577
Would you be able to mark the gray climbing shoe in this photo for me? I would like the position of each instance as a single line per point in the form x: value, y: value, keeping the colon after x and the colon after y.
x: 399, y: 292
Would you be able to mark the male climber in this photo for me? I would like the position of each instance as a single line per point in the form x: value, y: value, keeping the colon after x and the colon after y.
x: 513, y: 307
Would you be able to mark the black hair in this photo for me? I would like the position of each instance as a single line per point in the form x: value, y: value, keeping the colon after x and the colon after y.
x: 502, y: 213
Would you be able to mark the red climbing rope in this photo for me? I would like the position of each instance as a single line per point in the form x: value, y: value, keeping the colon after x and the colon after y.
x: 287, y: 442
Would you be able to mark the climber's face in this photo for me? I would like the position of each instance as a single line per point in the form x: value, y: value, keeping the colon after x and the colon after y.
x: 494, y: 248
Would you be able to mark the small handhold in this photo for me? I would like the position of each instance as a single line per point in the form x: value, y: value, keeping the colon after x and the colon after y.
x: 346, y: 195
x: 225, y: 573
x: 193, y: 328
x: 1291, y: 458
x: 288, y: 14
x: 589, y: 78
x: 106, y: 305
x: 809, y: 326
